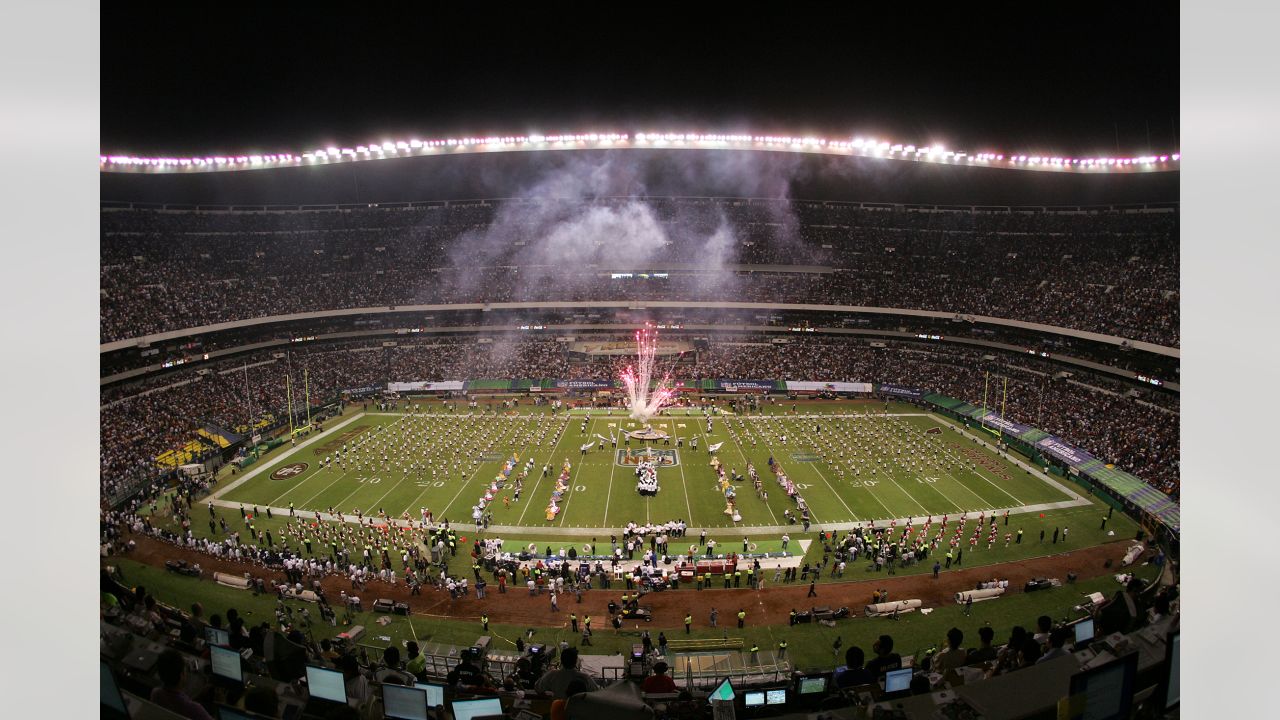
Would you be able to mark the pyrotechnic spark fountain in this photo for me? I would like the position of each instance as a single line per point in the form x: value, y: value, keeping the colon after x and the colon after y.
x: 643, y: 402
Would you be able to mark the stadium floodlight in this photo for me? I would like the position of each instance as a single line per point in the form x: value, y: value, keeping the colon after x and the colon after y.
x: 866, y: 147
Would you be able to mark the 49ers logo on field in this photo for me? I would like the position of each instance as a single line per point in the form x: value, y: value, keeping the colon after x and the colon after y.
x: 292, y: 470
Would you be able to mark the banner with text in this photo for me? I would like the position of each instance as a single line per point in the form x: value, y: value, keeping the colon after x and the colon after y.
x: 900, y: 391
x: 819, y: 386
x: 1056, y: 448
x: 423, y: 386
x: 995, y: 421
x: 747, y: 386
x: 584, y: 384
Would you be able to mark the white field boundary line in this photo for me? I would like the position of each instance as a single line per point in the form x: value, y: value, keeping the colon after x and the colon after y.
x: 1076, y: 501
x: 312, y: 476
x: 288, y: 453
x: 1076, y: 497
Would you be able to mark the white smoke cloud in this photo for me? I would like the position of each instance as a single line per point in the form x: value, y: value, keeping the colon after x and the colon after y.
x: 590, y: 214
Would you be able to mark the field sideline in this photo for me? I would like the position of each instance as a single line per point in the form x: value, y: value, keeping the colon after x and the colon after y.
x: 466, y: 452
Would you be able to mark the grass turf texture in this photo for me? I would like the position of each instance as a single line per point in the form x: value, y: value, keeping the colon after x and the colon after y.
x: 1083, y: 520
x: 809, y: 644
x: 466, y: 454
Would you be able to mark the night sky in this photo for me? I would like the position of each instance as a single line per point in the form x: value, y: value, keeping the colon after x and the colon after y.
x: 1100, y: 80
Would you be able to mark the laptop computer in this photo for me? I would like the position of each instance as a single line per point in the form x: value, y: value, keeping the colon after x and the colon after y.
x: 224, y: 665
x: 141, y: 659
x: 326, y: 689
x: 475, y: 709
x: 404, y: 703
x: 897, y: 681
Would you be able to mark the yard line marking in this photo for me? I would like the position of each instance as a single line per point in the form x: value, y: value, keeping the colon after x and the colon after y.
x: 734, y: 438
x: 795, y: 429
x: 316, y: 474
x: 287, y: 454
x: 979, y: 473
x: 813, y: 516
x: 445, y: 512
x: 684, y: 485
x: 613, y: 463
x: 836, y: 493
x: 322, y: 490
x: 564, y: 430
x: 388, y: 492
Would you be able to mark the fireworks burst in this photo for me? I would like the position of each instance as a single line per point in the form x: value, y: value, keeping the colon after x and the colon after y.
x: 643, y: 402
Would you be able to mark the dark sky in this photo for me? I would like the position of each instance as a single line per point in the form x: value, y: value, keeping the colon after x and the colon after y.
x: 214, y: 80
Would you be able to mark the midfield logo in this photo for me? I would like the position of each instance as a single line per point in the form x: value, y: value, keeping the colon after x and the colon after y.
x: 291, y: 470
x: 661, y: 458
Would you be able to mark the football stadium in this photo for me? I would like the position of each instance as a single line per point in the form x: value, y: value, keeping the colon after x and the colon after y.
x: 643, y: 421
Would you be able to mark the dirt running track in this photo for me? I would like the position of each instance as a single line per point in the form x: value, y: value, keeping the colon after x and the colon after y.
x: 770, y: 606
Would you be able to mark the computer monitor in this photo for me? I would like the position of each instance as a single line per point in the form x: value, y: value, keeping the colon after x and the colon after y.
x: 404, y: 703
x: 326, y: 684
x: 811, y: 685
x: 775, y: 697
x: 753, y: 699
x: 112, y: 700
x: 723, y: 691
x: 1104, y: 692
x: 897, y: 680
x: 435, y: 694
x: 217, y: 636
x: 471, y: 709
x: 1084, y: 632
x: 1169, y: 690
x: 225, y: 663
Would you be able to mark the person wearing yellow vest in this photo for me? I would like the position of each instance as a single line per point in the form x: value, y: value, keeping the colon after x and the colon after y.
x: 688, y: 622
x: 782, y: 649
x: 742, y: 618
x: 484, y: 620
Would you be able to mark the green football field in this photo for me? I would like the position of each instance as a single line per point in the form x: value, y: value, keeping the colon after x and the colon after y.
x: 851, y: 463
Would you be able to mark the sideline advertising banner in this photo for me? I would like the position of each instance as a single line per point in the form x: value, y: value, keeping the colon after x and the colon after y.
x: 746, y: 385
x: 1064, y: 452
x: 584, y: 384
x: 900, y: 391
x: 423, y: 386
x: 820, y: 386
x: 993, y: 420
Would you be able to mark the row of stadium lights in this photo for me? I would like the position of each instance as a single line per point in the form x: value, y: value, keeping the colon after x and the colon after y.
x: 858, y: 146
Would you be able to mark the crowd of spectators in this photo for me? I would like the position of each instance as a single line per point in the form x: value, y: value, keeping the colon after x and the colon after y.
x: 1139, y: 434
x: 1109, y: 272
x: 540, y: 676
